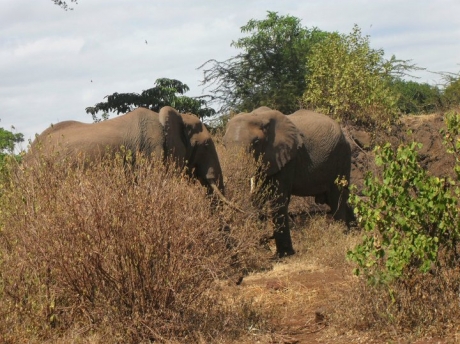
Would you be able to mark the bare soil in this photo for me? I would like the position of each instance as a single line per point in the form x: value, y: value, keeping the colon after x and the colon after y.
x: 304, y: 289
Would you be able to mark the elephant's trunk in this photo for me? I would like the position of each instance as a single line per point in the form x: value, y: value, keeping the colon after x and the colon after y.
x: 223, y: 198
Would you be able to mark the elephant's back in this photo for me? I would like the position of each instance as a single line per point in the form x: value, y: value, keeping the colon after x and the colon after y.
x: 312, y: 122
x: 325, y: 152
x: 136, y: 130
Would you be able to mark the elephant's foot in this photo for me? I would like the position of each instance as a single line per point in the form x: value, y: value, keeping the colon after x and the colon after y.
x: 285, y: 252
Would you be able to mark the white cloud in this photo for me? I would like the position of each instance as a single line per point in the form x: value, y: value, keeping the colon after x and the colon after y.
x: 49, y: 46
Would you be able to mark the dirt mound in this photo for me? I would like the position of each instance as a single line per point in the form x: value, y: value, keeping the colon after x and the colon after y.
x: 424, y: 129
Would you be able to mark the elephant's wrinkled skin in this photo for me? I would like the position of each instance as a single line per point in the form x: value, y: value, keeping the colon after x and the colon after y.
x: 166, y: 134
x: 304, y: 153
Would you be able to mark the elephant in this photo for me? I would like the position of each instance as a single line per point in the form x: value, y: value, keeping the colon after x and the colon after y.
x: 303, y: 153
x: 167, y: 134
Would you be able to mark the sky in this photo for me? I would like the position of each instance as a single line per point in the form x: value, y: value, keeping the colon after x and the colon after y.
x: 55, y: 63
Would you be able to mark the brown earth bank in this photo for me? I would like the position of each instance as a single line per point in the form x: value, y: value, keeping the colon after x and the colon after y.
x: 424, y: 129
x: 305, y: 289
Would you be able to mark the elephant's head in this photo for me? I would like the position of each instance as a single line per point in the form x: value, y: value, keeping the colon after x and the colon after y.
x: 267, y: 134
x: 189, y: 142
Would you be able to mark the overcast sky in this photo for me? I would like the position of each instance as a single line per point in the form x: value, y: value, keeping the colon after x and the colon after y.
x: 54, y: 64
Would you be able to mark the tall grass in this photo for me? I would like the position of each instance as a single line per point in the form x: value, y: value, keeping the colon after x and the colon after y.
x: 119, y: 255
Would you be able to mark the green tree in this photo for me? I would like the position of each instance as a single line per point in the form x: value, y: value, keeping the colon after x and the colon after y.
x: 166, y: 92
x: 269, y: 70
x: 349, y: 80
x: 7, y: 142
x: 417, y: 97
x: 451, y: 94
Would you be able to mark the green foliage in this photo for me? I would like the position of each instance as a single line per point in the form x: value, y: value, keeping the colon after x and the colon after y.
x: 165, y: 93
x: 410, y: 219
x: 270, y: 69
x: 415, y: 98
x: 452, y: 138
x: 350, y: 81
x: 7, y: 142
x: 451, y: 93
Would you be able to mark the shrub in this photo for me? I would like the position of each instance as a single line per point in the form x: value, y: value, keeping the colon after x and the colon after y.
x: 350, y: 81
x: 132, y: 256
x: 417, y: 98
x: 409, y: 252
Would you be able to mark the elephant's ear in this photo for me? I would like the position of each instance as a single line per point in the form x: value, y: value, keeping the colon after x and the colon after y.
x: 175, y: 142
x: 282, y: 141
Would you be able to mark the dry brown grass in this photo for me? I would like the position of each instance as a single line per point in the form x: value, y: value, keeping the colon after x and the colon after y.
x: 424, y: 305
x: 108, y: 255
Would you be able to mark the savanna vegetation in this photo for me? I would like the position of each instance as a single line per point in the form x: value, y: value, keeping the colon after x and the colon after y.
x: 109, y: 254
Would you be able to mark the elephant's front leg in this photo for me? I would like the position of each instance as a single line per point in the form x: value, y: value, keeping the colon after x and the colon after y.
x: 280, y: 186
x: 281, y: 232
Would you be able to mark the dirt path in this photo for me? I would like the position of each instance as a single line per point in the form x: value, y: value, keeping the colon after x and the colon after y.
x: 303, y: 294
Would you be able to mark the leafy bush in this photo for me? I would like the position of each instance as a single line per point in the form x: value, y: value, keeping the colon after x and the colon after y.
x: 350, y: 81
x: 408, y: 256
x: 410, y: 218
x: 451, y: 94
x: 416, y: 98
x: 131, y: 256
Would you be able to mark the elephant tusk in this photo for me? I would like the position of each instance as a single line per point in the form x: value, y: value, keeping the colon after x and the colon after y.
x: 224, y: 199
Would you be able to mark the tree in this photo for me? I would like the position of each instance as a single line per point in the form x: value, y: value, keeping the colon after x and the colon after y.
x: 8, y: 140
x: 451, y: 94
x: 63, y: 4
x: 350, y: 81
x: 417, y: 97
x: 269, y: 71
x: 164, y: 93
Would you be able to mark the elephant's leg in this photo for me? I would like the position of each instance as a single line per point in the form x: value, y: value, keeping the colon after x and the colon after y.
x: 321, y: 198
x: 280, y: 186
x: 282, y: 233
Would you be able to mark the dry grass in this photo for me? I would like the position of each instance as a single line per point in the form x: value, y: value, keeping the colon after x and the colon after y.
x: 112, y: 255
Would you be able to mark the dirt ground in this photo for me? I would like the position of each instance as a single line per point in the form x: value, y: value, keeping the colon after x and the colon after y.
x: 298, y: 278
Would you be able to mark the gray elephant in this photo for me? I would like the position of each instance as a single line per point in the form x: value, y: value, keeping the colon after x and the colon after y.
x: 166, y: 134
x: 304, y: 153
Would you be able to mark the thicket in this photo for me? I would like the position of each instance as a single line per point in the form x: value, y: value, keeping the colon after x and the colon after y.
x: 350, y: 81
x: 119, y: 255
x: 418, y: 98
x: 409, y: 254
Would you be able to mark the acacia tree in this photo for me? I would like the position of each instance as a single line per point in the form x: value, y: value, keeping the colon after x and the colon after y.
x: 166, y: 92
x: 269, y: 71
